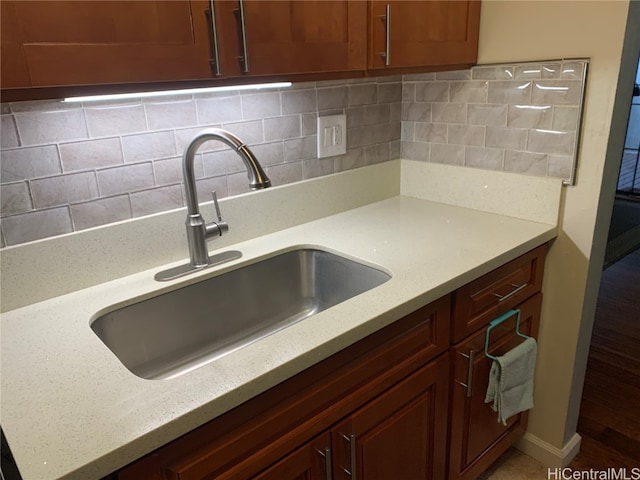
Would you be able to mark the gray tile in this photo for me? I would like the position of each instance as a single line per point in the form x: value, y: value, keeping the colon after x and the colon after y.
x: 573, y: 70
x: 309, y: 124
x: 556, y: 92
x: 303, y: 148
x: 525, y: 162
x: 454, y: 75
x: 260, y: 105
x: 506, y: 137
x: 466, y: 135
x: 449, y: 113
x: 389, y: 92
x: 179, y: 113
x: 222, y: 163
x: 250, y: 132
x: 416, y: 112
x: 299, y: 101
x: 36, y: 225
x: 130, y: 178
x: 432, y: 92
x: 360, y: 136
x: 115, y: 120
x: 100, y: 212
x: 91, y: 154
x: 205, y: 186
x: 5, y: 108
x: 215, y: 111
x: 487, y: 114
x: 409, y: 92
x: 354, y: 158
x: 560, y: 166
x: 394, y: 149
x: 389, y: 79
x: 318, y: 167
x: 415, y: 151
x: 285, y: 173
x: 431, y: 132
x: 485, y: 158
x: 528, y: 72
x: 395, y: 112
x: 156, y: 200
x: 332, y: 98
x: 516, y: 92
x: 27, y: 163
x: 184, y: 136
x: 565, y: 118
x: 376, y: 153
x: 279, y: 128
x: 551, y: 141
x: 368, y: 115
x: 448, y: 154
x: 9, y: 133
x: 270, y: 153
x: 148, y: 146
x: 64, y: 189
x: 169, y: 170
x: 471, y: 91
x: 551, y: 70
x: 51, y: 127
x: 15, y: 198
x: 529, y: 116
x: 408, y: 130
x: 419, y: 77
x: 237, y: 184
x: 498, y: 72
x: 43, y: 106
x: 363, y: 94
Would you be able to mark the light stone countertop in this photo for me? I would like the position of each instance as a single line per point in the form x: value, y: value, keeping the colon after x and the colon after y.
x: 70, y: 409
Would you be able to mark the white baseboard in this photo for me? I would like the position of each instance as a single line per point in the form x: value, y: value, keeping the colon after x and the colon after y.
x: 546, y: 453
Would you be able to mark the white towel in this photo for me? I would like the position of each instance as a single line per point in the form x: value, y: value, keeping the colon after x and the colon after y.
x: 511, y: 381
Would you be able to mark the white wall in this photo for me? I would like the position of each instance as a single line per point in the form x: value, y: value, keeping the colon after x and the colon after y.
x: 536, y: 30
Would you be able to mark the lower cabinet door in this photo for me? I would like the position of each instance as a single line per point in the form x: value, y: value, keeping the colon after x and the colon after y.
x: 312, y: 461
x: 477, y: 439
x: 402, y: 434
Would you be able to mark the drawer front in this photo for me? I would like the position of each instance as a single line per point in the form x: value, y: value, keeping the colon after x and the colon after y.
x: 482, y: 300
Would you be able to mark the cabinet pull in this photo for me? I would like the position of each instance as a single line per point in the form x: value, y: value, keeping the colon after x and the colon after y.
x: 326, y: 454
x: 351, y: 440
x: 516, y: 289
x: 243, y: 38
x: 387, y: 42
x: 215, y: 61
x: 469, y: 385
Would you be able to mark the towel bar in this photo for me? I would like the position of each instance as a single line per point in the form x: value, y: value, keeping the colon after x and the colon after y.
x: 494, y: 323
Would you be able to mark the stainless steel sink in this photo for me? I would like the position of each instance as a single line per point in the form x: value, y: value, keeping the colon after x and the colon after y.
x: 176, y: 332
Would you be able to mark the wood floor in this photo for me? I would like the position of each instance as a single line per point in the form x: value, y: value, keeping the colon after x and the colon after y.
x: 610, y: 414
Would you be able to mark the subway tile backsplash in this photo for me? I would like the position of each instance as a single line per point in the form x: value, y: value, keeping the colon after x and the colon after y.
x: 68, y: 167
x: 521, y: 118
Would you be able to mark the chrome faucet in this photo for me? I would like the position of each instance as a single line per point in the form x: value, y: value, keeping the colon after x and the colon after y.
x: 198, y: 231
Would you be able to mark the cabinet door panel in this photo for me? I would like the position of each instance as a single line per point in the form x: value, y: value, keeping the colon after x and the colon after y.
x: 477, y: 439
x: 424, y: 33
x: 293, y: 36
x: 97, y: 42
x: 401, y: 434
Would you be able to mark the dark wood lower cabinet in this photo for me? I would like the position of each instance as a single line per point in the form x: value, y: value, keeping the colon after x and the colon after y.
x: 476, y: 437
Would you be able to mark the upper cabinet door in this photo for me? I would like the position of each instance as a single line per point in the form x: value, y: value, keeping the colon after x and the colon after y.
x: 51, y: 43
x: 262, y: 37
x: 426, y: 33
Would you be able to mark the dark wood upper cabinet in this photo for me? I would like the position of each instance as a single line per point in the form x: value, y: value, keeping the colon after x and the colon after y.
x: 258, y: 37
x: 54, y: 43
x: 427, y: 33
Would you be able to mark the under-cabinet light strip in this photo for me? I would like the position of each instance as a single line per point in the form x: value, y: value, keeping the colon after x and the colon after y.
x: 164, y: 93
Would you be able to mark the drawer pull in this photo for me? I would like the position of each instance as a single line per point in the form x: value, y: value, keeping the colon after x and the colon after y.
x: 326, y: 454
x: 387, y: 42
x: 351, y: 471
x: 516, y: 289
x: 469, y: 385
x: 215, y: 61
x: 244, y: 59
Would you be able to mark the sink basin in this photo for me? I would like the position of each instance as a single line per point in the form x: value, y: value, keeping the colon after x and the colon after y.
x: 176, y: 332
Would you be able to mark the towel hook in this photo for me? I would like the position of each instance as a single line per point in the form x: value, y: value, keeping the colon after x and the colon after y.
x: 494, y: 323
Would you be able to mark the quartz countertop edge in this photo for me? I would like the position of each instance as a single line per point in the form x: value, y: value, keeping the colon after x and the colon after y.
x: 71, y: 410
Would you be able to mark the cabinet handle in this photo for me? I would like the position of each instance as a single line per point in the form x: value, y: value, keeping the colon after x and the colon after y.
x: 469, y: 385
x: 326, y: 454
x: 516, y: 289
x: 351, y: 440
x: 215, y: 61
x: 243, y: 37
x: 387, y: 47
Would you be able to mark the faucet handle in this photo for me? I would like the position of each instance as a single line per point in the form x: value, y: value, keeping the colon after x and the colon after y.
x: 215, y: 203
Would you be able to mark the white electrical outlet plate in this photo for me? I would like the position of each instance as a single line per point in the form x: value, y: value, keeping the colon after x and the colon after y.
x: 332, y: 135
